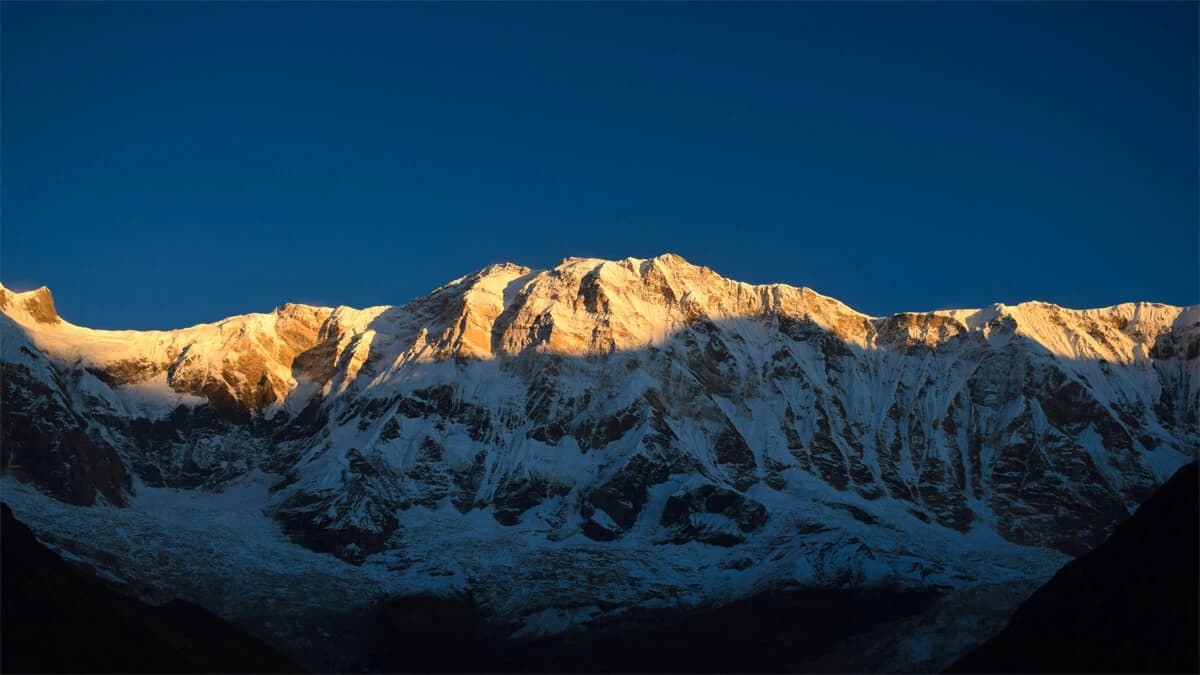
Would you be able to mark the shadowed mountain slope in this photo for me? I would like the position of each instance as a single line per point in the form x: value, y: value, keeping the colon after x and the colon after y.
x: 1132, y: 605
x: 58, y: 620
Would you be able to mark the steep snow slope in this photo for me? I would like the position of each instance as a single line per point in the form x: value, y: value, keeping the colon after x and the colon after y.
x: 629, y: 413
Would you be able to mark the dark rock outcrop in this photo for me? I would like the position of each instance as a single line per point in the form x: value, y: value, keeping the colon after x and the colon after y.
x: 44, y: 441
x: 351, y: 522
x: 621, y: 498
x: 690, y: 515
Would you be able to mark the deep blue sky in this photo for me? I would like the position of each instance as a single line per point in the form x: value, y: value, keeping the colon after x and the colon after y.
x: 170, y: 163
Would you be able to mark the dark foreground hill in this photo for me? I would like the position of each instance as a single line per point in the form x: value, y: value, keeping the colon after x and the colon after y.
x: 56, y: 619
x: 767, y: 633
x: 1131, y: 605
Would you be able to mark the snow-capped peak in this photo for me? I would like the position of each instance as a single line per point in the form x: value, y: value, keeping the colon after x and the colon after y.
x: 591, y: 305
x: 35, y: 306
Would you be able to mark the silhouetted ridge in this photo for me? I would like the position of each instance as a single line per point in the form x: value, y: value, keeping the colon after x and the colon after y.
x: 57, y: 619
x: 766, y: 633
x: 1131, y: 605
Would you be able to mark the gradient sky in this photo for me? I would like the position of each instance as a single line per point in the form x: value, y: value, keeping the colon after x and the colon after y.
x: 170, y: 163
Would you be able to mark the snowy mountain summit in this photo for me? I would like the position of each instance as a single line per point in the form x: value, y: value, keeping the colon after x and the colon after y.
x: 646, y: 414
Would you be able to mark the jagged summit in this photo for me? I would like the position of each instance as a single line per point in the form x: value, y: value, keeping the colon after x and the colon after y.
x: 36, y: 305
x: 592, y: 305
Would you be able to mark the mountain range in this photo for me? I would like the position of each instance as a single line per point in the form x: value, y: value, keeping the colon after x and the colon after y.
x: 573, y: 445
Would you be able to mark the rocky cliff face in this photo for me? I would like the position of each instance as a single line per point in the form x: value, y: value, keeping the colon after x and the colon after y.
x: 650, y: 402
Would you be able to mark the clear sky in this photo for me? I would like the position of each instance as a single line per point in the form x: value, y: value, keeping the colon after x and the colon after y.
x: 165, y: 164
